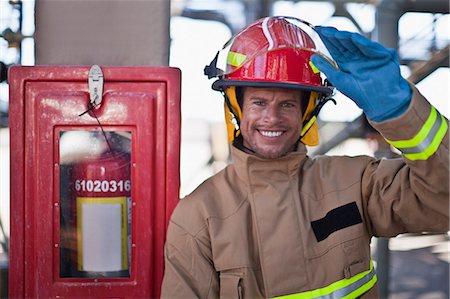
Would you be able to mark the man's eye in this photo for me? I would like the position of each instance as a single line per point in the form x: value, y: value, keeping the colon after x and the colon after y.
x: 258, y: 103
x: 287, y: 105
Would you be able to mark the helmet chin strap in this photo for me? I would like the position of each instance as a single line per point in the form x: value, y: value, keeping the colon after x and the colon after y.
x: 307, y: 124
x: 239, y: 143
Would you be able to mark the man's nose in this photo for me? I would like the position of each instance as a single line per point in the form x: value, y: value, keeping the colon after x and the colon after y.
x: 271, y: 113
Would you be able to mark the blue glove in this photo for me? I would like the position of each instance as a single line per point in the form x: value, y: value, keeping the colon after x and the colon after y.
x: 369, y: 73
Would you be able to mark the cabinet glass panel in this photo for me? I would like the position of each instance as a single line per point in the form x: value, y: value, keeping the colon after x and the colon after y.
x: 95, y: 204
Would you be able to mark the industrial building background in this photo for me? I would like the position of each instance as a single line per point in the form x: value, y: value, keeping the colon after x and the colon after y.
x: 186, y: 34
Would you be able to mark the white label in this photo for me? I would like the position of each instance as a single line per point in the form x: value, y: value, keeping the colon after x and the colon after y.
x: 101, y: 237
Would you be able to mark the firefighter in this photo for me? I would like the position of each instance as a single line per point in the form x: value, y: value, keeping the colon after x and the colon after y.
x: 278, y: 224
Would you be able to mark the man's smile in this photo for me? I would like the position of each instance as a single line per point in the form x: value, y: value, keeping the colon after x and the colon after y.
x: 270, y: 134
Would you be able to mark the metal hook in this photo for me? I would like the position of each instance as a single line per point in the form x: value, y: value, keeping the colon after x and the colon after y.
x: 96, y: 85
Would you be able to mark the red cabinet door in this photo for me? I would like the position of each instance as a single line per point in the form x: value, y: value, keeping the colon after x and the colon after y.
x: 57, y: 215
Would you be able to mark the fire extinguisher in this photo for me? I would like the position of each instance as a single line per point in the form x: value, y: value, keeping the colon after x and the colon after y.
x: 101, y: 212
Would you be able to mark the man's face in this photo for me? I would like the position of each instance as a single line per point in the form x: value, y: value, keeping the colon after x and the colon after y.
x: 271, y: 120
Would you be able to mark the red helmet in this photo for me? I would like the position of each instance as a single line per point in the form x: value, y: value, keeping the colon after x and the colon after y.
x: 271, y: 52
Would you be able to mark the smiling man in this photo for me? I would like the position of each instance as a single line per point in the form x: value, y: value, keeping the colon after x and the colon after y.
x: 278, y: 224
x: 271, y: 120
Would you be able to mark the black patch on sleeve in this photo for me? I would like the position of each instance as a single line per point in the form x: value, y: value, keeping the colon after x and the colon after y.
x: 336, y: 219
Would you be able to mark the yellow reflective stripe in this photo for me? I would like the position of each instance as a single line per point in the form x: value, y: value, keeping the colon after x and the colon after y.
x: 423, y: 133
x: 427, y: 140
x: 346, y: 288
x: 358, y: 292
x: 235, y: 59
x: 433, y: 146
x: 314, y: 68
x: 308, y: 126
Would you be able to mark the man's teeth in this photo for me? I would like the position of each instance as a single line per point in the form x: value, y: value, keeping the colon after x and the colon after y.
x: 271, y: 133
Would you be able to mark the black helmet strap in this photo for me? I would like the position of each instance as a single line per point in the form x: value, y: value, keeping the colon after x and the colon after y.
x: 211, y: 70
x: 308, y: 122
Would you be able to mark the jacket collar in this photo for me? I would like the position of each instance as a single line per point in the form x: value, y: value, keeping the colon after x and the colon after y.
x: 250, y: 167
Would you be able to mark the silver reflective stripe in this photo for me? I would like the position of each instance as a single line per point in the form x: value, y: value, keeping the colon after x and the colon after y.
x: 426, y: 142
x: 340, y: 293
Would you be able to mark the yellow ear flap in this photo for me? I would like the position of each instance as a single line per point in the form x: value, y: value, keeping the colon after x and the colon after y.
x: 229, y: 120
x: 232, y: 118
x: 311, y: 136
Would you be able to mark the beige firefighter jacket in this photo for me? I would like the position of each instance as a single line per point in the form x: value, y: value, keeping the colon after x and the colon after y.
x: 299, y: 225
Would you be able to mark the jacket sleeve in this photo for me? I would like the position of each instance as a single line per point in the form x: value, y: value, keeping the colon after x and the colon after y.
x: 189, y: 271
x: 410, y: 194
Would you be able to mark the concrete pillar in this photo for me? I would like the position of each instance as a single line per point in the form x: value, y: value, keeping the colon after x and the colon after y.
x: 72, y: 32
x: 387, y: 14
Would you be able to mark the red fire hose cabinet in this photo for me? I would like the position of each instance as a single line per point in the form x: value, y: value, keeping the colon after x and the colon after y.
x: 94, y: 179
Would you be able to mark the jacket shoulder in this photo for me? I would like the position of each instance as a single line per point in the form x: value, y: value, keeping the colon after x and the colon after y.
x: 219, y: 196
x: 324, y: 174
x: 332, y: 165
